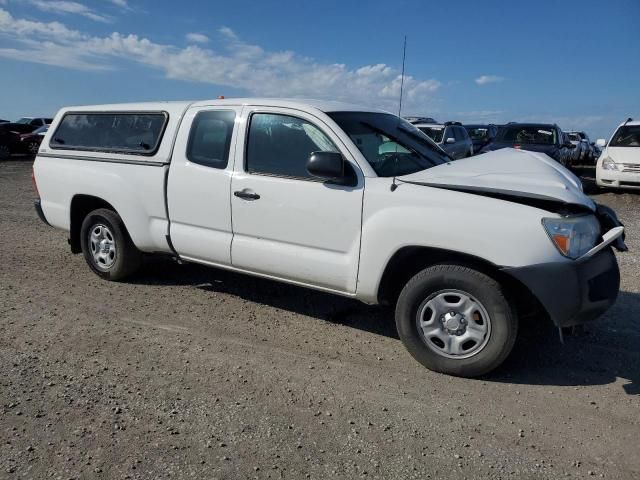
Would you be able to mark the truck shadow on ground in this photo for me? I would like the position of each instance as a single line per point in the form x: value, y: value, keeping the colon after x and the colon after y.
x: 606, y: 350
x: 603, y: 352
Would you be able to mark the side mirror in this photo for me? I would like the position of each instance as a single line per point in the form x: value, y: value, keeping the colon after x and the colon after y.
x: 601, y: 142
x: 450, y: 140
x: 326, y: 165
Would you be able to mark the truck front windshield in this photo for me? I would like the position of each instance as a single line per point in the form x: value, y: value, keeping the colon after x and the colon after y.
x: 391, y: 145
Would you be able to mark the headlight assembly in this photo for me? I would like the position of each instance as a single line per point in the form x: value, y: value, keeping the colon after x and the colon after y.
x: 573, y: 236
x: 608, y: 164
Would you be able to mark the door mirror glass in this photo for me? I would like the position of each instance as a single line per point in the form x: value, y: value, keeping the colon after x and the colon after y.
x: 450, y: 140
x: 601, y: 142
x: 326, y: 165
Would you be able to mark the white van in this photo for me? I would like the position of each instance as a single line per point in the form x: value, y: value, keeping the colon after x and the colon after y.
x: 619, y: 164
x: 344, y: 199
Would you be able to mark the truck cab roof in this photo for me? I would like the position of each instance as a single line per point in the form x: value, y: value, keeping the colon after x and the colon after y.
x: 171, y: 106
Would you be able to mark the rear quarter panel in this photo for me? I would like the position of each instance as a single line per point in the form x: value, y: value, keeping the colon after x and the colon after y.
x: 136, y: 192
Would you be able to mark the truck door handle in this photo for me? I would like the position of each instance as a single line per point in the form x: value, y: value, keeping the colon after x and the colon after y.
x: 246, y: 195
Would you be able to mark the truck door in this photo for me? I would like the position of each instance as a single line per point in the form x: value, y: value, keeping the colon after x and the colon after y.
x: 286, y: 223
x: 199, y: 184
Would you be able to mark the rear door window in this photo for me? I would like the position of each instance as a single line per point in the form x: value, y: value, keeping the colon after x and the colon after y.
x: 123, y: 132
x: 210, y: 138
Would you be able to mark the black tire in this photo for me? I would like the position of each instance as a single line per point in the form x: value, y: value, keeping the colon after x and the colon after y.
x: 5, y: 152
x: 481, y: 288
x: 126, y: 259
x: 32, y: 148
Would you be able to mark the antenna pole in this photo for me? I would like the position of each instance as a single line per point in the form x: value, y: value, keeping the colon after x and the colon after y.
x: 394, y: 185
x: 404, y: 56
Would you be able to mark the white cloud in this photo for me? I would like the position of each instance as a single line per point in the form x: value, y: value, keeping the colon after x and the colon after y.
x: 485, y: 79
x: 120, y: 3
x: 196, y: 38
x: 64, y: 6
x: 235, y: 64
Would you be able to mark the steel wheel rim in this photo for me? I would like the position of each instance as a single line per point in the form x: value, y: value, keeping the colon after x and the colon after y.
x: 453, y: 324
x: 102, y: 245
x: 34, y: 147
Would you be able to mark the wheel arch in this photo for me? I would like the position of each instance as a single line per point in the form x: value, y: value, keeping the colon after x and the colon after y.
x: 81, y: 206
x: 408, y: 261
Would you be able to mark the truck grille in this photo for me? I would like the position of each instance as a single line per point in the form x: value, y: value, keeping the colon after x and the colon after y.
x: 631, y: 167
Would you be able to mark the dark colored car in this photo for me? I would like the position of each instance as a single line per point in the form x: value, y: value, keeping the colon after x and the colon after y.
x: 30, y: 142
x: 416, y: 120
x: 450, y: 136
x: 8, y: 143
x: 481, y: 135
x: 35, y: 122
x: 536, y: 137
x: 10, y: 136
x: 3, y: 121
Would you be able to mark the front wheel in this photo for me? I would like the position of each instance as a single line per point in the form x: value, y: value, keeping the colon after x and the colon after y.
x: 107, y: 247
x: 456, y: 320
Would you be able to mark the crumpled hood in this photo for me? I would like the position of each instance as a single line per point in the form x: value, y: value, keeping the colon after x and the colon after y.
x: 510, y: 172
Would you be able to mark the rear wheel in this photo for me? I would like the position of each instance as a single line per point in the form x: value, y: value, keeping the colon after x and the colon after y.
x: 107, y: 247
x: 456, y: 320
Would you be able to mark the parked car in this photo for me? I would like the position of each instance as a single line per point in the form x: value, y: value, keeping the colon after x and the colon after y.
x: 35, y: 122
x: 10, y: 138
x: 8, y: 143
x: 30, y: 142
x: 579, y: 152
x: 589, y: 156
x: 535, y: 137
x: 619, y: 163
x: 276, y: 188
x: 4, y: 121
x: 597, y: 150
x: 415, y: 120
x: 450, y: 136
x: 481, y: 134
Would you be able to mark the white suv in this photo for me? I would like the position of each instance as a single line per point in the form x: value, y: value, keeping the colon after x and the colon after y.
x: 619, y: 163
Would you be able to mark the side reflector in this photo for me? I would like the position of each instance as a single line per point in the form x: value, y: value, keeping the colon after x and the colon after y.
x: 33, y: 180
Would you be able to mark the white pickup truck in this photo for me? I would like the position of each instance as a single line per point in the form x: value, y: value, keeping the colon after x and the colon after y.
x: 348, y: 200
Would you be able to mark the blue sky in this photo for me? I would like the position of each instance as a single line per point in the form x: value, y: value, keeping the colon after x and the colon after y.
x: 572, y: 62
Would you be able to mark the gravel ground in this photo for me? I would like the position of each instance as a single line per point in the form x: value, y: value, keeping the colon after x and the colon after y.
x: 188, y: 372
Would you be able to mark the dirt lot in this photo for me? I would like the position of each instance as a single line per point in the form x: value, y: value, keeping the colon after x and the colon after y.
x: 188, y: 372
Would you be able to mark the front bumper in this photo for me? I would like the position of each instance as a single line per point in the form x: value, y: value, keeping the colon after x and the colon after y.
x: 573, y: 292
x: 617, y: 178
